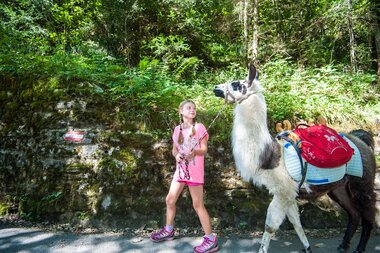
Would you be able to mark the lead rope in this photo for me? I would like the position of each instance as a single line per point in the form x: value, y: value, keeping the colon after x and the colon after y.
x: 212, y: 122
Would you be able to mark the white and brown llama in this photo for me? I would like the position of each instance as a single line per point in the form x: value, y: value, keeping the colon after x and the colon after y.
x: 260, y: 159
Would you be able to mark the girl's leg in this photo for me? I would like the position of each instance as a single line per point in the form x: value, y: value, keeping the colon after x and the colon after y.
x: 171, y: 200
x: 196, y: 193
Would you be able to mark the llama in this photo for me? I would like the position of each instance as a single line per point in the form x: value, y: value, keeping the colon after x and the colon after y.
x: 260, y: 159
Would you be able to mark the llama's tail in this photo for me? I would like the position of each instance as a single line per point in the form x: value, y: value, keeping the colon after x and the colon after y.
x: 365, y: 136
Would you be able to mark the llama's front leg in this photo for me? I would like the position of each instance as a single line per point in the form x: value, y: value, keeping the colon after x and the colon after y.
x: 294, y: 218
x: 275, y: 216
x: 267, y: 236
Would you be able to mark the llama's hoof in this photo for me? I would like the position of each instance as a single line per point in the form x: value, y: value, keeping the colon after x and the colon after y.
x: 343, y: 248
x: 308, y: 250
x: 262, y: 250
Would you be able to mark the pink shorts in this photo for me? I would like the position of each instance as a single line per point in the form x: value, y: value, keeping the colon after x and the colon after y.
x: 189, y: 183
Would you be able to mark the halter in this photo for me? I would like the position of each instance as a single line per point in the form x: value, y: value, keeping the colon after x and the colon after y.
x: 239, y: 100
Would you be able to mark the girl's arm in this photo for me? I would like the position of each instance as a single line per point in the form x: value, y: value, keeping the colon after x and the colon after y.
x: 202, y: 150
x: 178, y: 157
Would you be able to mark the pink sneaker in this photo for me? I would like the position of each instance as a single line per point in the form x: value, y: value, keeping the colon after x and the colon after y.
x: 207, y: 246
x: 162, y: 235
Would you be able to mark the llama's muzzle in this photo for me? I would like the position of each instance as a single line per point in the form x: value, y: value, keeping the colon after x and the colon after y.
x: 218, y: 92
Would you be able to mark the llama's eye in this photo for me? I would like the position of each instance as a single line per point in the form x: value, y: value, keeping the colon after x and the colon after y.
x: 235, y: 85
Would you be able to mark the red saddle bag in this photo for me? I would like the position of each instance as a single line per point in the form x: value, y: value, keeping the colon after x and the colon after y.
x: 323, y: 147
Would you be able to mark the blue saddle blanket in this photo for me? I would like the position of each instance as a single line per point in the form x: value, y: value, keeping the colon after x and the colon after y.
x: 317, y: 176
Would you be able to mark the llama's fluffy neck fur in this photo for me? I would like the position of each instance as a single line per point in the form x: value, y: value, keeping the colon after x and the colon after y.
x: 250, y: 134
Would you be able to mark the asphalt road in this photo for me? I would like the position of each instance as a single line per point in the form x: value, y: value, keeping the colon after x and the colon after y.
x: 28, y: 240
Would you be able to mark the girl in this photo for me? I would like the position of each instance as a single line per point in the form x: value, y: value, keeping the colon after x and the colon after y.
x: 189, y: 147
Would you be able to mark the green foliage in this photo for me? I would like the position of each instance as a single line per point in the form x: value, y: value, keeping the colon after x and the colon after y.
x: 19, y: 28
x: 4, y: 209
x: 294, y: 92
x: 190, y: 35
x: 210, y: 28
x: 123, y: 26
x: 173, y: 52
x: 316, y: 33
x: 82, y: 216
x: 71, y: 22
x: 43, y: 27
x: 33, y: 207
x: 179, y: 50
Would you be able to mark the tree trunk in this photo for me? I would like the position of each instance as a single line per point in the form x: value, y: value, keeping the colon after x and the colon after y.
x: 352, y: 38
x: 253, y: 53
x: 375, y: 36
x: 245, y: 7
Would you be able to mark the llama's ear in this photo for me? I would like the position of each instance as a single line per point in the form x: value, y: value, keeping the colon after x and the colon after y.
x: 252, y: 74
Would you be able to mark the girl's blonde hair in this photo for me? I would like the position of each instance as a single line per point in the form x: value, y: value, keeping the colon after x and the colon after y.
x: 193, y: 131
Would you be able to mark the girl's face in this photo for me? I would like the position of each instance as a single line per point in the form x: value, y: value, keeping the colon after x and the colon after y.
x: 188, y: 111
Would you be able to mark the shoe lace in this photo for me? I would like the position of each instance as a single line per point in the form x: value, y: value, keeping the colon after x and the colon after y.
x: 163, y: 233
x: 206, y: 243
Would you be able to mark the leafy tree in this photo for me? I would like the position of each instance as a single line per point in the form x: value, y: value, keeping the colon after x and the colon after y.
x: 317, y: 32
x: 130, y: 29
x: 122, y: 27
x: 20, y: 28
x: 70, y: 22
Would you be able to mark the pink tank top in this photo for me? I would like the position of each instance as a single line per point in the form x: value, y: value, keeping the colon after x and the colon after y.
x: 190, y: 171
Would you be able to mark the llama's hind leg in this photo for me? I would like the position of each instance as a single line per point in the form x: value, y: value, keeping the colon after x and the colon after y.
x: 343, y: 198
x: 367, y: 227
x: 294, y: 217
x: 275, y: 217
x: 367, y: 211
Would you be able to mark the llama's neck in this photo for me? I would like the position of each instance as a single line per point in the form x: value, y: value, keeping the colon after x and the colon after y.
x: 250, y: 135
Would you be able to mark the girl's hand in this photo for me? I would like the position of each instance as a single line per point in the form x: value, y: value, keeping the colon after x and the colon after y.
x: 190, y: 156
x: 179, y: 157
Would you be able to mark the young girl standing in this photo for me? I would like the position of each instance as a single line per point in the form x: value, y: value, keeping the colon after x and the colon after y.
x: 189, y: 147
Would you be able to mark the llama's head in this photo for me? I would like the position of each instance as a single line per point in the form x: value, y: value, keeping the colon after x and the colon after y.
x: 238, y: 91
